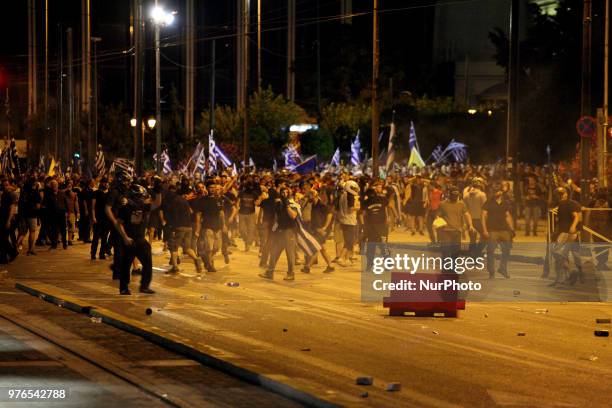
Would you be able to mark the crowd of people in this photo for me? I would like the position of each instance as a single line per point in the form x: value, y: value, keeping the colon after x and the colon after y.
x: 199, y: 218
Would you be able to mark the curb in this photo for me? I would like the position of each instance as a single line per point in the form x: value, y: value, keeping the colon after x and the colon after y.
x: 183, y: 348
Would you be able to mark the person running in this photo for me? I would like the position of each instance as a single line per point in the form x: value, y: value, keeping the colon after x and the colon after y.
x: 283, y: 234
x: 209, y: 225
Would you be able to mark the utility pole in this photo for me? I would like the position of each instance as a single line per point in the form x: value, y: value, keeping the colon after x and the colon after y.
x: 318, y: 61
x: 95, y: 41
x: 86, y: 74
x: 585, y: 110
x: 32, y: 66
x: 245, y: 81
x: 70, y: 95
x: 190, y: 34
x: 375, y: 71
x: 158, y: 129
x: 213, y: 73
x: 7, y: 106
x: 59, y: 129
x: 291, y: 50
x: 138, y: 86
x: 46, y: 96
x: 512, y: 124
x: 259, y: 45
x: 604, y: 141
x: 239, y: 53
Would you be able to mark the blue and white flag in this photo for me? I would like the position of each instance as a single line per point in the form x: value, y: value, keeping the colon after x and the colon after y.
x: 307, y: 166
x: 356, y: 151
x: 335, y: 161
x: 391, y: 147
x: 458, y: 150
x: 438, y: 154
x: 165, y: 161
x: 412, y: 139
x: 292, y: 157
x: 234, y: 170
x: 212, y: 153
x: 200, y: 164
x: 274, y: 165
x: 226, y: 161
x: 100, y: 162
x: 123, y: 164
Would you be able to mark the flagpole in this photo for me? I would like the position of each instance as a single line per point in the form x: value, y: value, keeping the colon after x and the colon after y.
x: 375, y: 113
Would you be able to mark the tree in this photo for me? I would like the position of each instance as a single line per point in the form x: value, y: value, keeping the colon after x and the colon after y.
x: 269, y: 116
x: 319, y: 142
x: 114, y: 131
x: 550, y: 58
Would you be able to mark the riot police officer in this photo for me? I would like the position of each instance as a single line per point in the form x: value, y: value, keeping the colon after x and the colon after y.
x: 131, y: 225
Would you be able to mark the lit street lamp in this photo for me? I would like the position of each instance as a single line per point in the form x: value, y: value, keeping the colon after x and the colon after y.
x: 151, y: 122
x: 161, y: 18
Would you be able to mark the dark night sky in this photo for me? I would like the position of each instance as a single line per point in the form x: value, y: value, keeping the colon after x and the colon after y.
x: 110, y: 20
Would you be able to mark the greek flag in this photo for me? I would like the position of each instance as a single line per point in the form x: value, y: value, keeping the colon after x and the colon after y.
x: 355, y: 151
x: 292, y: 157
x: 234, y: 170
x: 41, y: 164
x: 391, y: 147
x: 458, y: 150
x: 123, y: 164
x: 335, y: 161
x: 274, y: 165
x: 305, y: 240
x: 200, y: 164
x: 212, y: 153
x: 223, y: 157
x: 412, y: 139
x: 166, y: 161
x: 438, y: 154
x: 100, y: 163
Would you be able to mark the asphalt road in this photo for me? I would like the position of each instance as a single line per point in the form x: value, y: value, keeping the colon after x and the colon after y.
x: 317, y: 334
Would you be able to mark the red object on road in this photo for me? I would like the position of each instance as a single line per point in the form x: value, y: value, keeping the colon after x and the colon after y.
x: 423, y: 302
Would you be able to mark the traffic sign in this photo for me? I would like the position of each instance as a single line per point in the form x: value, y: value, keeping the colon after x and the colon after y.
x: 586, y: 126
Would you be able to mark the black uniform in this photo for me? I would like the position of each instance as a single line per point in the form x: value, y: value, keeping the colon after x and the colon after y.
x: 132, y: 216
x: 102, y: 227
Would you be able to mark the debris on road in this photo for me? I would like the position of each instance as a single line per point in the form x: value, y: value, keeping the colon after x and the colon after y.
x: 541, y: 311
x: 305, y: 349
x: 149, y: 311
x: 486, y: 315
x: 391, y: 387
x: 364, y: 395
x: 602, y: 333
x: 95, y: 319
x: 205, y: 297
x: 365, y: 380
x: 602, y: 321
x: 232, y: 284
x: 592, y: 358
x: 435, y: 332
x: 521, y: 334
x: 516, y: 292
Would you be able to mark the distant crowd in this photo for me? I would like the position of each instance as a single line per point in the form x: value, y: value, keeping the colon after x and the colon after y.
x: 203, y: 218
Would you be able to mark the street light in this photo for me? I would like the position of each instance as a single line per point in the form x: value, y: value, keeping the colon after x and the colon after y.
x: 161, y: 18
x: 151, y: 122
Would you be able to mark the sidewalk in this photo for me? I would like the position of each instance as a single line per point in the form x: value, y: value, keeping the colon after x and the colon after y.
x: 316, y: 335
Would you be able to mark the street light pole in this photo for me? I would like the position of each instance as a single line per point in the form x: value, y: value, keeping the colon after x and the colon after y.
x: 160, y: 18
x: 604, y: 163
x: 158, y: 130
